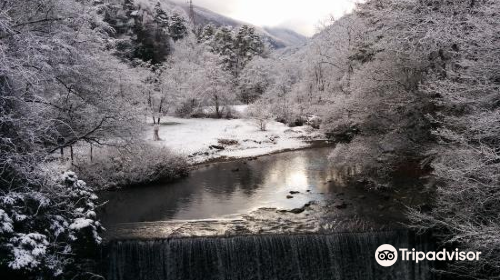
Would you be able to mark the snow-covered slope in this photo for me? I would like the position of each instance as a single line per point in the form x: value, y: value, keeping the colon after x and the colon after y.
x: 290, y: 37
x: 277, y: 37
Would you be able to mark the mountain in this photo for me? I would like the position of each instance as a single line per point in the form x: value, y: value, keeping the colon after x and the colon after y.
x: 276, y: 37
x: 290, y: 37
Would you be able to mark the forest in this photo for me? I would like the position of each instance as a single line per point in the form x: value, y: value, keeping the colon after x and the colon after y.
x: 402, y: 87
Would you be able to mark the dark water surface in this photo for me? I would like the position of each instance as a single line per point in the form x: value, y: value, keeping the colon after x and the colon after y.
x: 226, y: 190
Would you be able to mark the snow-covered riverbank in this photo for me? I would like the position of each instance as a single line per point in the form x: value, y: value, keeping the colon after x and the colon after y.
x: 206, y: 139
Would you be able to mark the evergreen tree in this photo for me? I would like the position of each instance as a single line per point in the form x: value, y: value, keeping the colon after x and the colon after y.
x: 161, y: 17
x: 247, y: 45
x: 223, y: 46
x: 142, y: 33
x: 207, y: 34
x: 178, y: 28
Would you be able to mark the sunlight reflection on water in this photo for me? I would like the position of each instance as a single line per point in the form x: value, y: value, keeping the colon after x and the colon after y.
x: 218, y: 191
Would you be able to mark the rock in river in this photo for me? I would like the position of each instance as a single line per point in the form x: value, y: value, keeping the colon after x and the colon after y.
x: 340, y: 205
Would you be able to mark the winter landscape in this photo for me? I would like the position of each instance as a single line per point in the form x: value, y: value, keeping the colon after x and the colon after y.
x: 210, y: 139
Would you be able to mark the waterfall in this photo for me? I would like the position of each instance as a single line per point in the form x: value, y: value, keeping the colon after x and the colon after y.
x: 348, y: 256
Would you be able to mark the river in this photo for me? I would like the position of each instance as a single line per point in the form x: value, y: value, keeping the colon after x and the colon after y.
x: 230, y: 189
x: 205, y: 226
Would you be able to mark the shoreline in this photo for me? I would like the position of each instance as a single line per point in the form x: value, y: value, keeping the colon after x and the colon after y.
x: 310, y: 144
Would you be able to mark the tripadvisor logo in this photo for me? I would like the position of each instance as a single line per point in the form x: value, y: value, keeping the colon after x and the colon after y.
x: 386, y: 255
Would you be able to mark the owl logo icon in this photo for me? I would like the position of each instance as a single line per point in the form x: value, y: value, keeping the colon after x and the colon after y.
x: 386, y: 255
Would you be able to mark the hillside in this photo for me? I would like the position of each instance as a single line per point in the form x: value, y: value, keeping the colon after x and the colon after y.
x: 277, y: 37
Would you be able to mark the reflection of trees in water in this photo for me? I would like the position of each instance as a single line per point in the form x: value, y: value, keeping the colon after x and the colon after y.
x: 152, y: 203
x: 225, y: 179
x: 342, y: 175
x: 209, y: 187
x: 250, y: 179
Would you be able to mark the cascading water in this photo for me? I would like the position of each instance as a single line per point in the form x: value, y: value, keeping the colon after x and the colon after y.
x: 346, y: 256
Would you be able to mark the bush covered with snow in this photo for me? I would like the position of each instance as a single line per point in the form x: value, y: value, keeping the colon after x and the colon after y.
x: 375, y: 166
x: 342, y: 130
x: 119, y: 167
x: 46, y: 230
x: 261, y: 113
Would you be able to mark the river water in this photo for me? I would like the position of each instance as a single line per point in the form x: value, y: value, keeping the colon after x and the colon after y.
x: 169, y: 247
x: 230, y: 189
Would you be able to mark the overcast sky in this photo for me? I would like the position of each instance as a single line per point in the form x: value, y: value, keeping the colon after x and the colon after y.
x: 299, y: 15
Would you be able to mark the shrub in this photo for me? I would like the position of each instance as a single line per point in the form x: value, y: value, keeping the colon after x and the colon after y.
x: 314, y: 122
x: 188, y: 109
x: 143, y: 164
x: 261, y: 113
x: 342, y: 132
x: 48, y: 228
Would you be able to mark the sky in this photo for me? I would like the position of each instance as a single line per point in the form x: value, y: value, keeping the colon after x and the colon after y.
x: 302, y: 16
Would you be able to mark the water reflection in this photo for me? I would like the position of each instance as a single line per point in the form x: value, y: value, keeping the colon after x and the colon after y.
x: 341, y: 175
x: 225, y: 189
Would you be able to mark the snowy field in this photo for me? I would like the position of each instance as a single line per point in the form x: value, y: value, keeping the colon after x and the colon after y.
x: 205, y: 139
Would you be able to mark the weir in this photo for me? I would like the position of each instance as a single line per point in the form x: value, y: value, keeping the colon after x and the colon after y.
x: 343, y: 256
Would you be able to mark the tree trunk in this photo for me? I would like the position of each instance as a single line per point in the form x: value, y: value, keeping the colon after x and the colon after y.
x: 217, y: 112
x: 72, y: 155
x: 160, y: 111
x: 156, y: 133
x: 151, y: 107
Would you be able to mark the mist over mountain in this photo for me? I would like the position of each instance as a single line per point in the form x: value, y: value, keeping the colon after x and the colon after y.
x: 286, y: 35
x: 276, y: 36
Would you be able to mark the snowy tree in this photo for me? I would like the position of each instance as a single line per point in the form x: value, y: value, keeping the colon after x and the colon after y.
x: 184, y: 73
x: 222, y: 45
x: 378, y: 96
x: 281, y: 92
x: 214, y: 85
x: 161, y: 17
x: 330, y: 63
x: 178, y: 27
x: 141, y: 31
x: 255, y: 80
x: 422, y: 89
x: 459, y: 42
x: 46, y: 229
x: 207, y: 34
x: 261, y: 113
x: 165, y: 88
x: 59, y: 86
x: 247, y: 44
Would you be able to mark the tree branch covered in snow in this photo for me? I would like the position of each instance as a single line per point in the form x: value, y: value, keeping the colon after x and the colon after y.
x: 59, y: 86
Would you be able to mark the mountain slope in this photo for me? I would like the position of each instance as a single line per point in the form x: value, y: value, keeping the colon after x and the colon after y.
x: 291, y: 37
x: 277, y: 37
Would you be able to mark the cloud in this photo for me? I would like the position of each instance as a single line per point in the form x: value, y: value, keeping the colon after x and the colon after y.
x: 220, y: 6
x: 301, y: 16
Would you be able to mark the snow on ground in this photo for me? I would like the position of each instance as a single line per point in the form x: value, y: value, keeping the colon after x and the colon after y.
x: 241, y: 109
x: 239, y: 138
